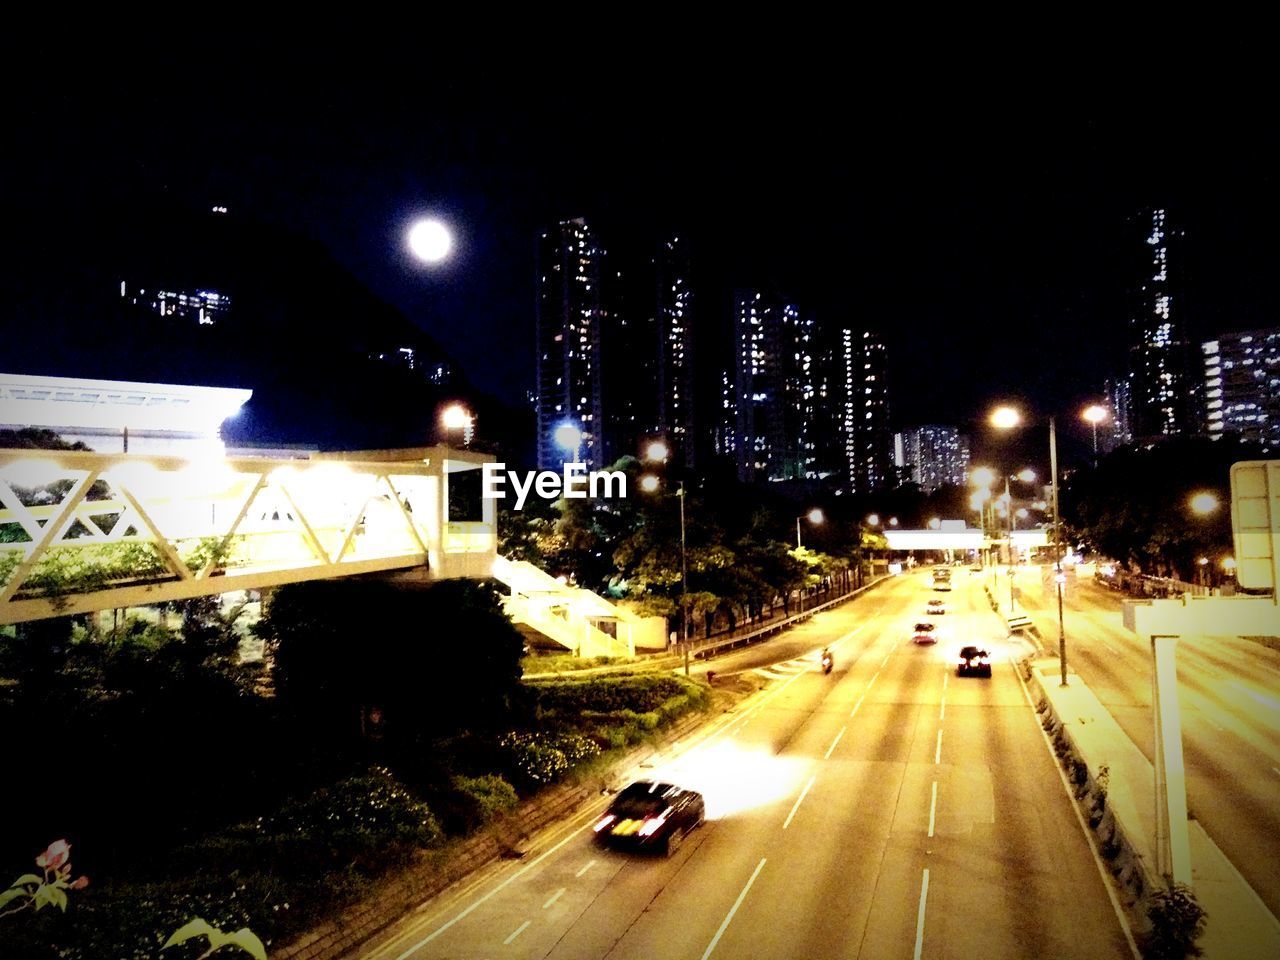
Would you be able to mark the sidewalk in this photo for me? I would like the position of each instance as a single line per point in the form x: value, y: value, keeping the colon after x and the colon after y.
x: 1239, y: 926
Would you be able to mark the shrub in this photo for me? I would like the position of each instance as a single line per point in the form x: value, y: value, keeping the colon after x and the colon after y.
x: 1177, y: 920
x: 483, y: 798
x: 539, y: 759
x: 639, y: 692
x: 367, y: 818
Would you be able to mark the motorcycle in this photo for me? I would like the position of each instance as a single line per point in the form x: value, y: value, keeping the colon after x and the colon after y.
x: 826, y: 663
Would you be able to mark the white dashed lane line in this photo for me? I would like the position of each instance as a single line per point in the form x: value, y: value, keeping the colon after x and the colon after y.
x: 516, y: 932
x: 560, y: 893
x: 590, y: 864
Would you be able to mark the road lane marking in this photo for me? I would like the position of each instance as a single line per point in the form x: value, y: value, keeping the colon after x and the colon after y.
x: 857, y: 705
x: 933, y: 806
x: 827, y: 755
x: 732, y: 910
x: 1275, y: 771
x: 590, y: 864
x: 874, y: 679
x: 796, y: 805
x: 937, y: 753
x: 516, y: 932
x: 492, y: 893
x: 924, y: 896
x: 554, y: 897
x: 885, y: 660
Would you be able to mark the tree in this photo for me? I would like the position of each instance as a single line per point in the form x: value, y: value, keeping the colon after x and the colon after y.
x: 1135, y: 506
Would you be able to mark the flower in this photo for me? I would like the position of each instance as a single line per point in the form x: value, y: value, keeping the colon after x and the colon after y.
x: 79, y: 883
x: 55, y: 856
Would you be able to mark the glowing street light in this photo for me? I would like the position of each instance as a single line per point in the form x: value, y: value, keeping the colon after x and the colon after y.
x: 1026, y: 476
x: 657, y: 451
x: 1005, y: 418
x: 1204, y: 503
x: 982, y: 477
x: 1095, y: 415
x: 873, y: 519
x: 429, y: 240
x: 935, y: 523
x: 649, y: 483
x: 814, y: 516
x: 456, y: 418
x: 568, y: 437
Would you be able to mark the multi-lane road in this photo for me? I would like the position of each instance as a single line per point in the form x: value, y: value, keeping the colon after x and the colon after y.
x: 891, y: 809
x: 1229, y: 692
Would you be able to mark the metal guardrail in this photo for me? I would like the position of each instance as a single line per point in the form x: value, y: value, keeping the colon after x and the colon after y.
x: 709, y: 647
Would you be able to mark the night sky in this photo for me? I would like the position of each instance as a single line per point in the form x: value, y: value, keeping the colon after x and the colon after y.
x: 980, y: 226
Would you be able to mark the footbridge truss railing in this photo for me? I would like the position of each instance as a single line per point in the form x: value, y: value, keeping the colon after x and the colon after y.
x: 82, y: 531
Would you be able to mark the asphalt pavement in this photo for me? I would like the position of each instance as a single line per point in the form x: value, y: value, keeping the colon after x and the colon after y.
x: 891, y: 809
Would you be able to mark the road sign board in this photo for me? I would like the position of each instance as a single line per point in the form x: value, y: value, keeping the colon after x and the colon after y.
x: 1255, y: 522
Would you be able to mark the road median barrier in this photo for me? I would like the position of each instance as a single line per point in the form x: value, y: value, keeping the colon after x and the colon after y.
x: 1114, y: 784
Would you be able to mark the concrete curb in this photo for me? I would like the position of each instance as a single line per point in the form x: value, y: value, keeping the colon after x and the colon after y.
x: 390, y: 898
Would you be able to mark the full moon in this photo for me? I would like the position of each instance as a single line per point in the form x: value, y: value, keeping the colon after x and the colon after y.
x: 430, y: 241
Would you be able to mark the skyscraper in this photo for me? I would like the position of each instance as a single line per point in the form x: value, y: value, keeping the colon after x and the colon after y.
x: 773, y: 388
x: 868, y: 439
x: 933, y: 455
x: 570, y: 317
x: 1162, y: 390
x: 1242, y: 386
x: 676, y: 417
x: 1117, y: 431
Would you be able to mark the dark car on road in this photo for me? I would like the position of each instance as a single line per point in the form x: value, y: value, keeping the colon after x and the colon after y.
x: 974, y: 662
x: 650, y: 816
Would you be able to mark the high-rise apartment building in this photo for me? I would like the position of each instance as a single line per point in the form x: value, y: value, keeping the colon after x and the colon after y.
x: 1115, y: 431
x: 774, y: 388
x: 675, y: 406
x: 868, y: 438
x: 932, y: 455
x: 571, y: 315
x: 1162, y: 390
x: 1242, y: 386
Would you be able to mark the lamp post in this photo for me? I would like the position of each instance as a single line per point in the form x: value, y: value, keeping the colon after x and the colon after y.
x: 455, y: 417
x: 1006, y: 418
x: 1095, y: 415
x: 659, y: 452
x: 650, y: 484
x: 814, y: 516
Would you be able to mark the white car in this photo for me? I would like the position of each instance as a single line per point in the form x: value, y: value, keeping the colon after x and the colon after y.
x: 935, y: 607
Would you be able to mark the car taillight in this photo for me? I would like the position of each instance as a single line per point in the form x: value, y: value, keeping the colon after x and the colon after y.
x: 651, y: 826
x: 603, y: 822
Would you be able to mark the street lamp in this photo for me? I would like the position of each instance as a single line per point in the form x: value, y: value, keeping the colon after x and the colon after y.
x: 814, y: 516
x: 456, y: 418
x: 568, y: 437
x: 1006, y: 418
x: 650, y: 484
x: 1204, y: 503
x: 1095, y: 415
x: 657, y: 451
